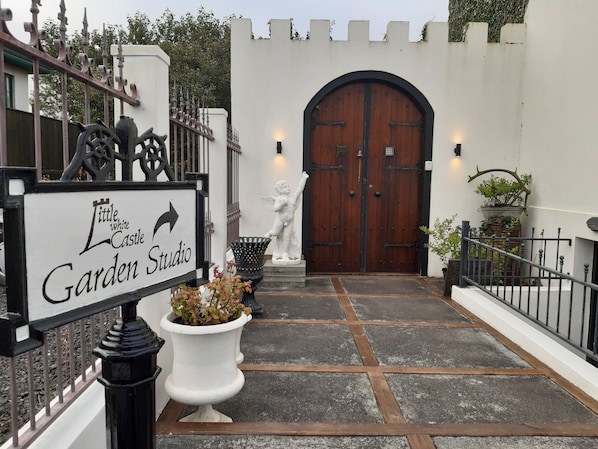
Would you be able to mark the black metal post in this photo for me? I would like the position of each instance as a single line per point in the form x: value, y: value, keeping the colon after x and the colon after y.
x: 465, y: 231
x: 129, y: 370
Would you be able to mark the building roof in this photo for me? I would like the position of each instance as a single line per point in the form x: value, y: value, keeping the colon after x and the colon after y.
x: 17, y: 59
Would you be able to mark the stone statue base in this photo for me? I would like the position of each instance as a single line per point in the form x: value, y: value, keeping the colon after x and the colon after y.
x: 283, y: 277
x: 286, y: 261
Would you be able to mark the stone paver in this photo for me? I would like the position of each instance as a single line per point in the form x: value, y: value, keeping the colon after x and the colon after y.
x: 312, y: 372
x: 515, y: 443
x: 299, y: 344
x: 313, y: 284
x: 285, y: 307
x: 279, y: 442
x: 444, y: 398
x: 405, y: 309
x: 440, y: 346
x: 406, y: 286
x: 303, y: 397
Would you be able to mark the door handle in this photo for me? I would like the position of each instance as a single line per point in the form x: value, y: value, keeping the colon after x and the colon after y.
x: 352, y: 193
x: 377, y: 194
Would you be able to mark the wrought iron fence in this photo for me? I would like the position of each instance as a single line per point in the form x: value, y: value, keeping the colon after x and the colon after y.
x: 526, y: 274
x: 38, y: 378
x: 35, y: 54
x: 44, y: 381
x: 190, y: 137
x: 233, y: 212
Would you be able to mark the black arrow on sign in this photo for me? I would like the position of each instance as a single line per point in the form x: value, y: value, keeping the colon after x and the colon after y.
x: 167, y: 217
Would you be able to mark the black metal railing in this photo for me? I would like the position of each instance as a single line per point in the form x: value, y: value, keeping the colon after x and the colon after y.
x: 526, y: 274
x: 233, y: 212
x: 190, y: 137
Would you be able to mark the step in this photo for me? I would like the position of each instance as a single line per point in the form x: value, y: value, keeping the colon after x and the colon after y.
x: 283, y: 276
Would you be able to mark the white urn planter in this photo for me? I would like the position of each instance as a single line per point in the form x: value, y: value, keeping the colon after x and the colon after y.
x: 204, y: 369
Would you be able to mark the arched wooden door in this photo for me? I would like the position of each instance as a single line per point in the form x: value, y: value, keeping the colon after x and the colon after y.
x: 366, y: 162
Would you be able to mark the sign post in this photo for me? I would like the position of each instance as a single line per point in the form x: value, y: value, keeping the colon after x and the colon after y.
x: 75, y: 249
x: 129, y: 371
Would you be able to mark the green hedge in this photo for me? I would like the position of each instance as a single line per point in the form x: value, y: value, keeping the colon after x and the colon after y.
x: 495, y: 12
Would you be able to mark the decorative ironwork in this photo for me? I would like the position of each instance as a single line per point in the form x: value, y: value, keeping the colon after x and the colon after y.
x: 519, y: 277
x: 190, y: 114
x: 96, y: 152
x: 63, y: 49
x: 342, y: 150
x: 35, y: 50
x: 419, y: 124
x: 315, y: 123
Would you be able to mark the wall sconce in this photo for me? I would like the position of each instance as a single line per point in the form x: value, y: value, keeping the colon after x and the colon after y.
x: 279, y: 147
x: 457, y: 150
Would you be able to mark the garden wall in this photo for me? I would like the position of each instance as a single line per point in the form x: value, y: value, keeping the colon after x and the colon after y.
x: 559, y: 121
x: 475, y: 89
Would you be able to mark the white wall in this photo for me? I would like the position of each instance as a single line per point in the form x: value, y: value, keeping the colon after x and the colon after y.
x: 475, y: 90
x: 559, y: 132
x: 147, y: 67
x: 559, y: 358
x: 218, y: 184
x: 21, y: 86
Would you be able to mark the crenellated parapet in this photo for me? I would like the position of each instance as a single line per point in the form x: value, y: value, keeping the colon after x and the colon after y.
x: 396, y: 33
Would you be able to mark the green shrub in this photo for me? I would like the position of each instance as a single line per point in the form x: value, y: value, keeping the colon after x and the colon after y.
x: 445, y: 239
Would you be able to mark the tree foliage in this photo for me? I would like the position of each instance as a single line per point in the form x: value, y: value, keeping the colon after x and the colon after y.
x: 495, y: 12
x: 198, y: 46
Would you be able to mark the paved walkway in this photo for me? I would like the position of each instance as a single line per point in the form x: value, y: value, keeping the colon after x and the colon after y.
x: 385, y: 362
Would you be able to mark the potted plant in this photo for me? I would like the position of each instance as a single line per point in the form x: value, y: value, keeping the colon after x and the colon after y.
x: 502, y: 196
x: 445, y: 242
x: 206, y: 324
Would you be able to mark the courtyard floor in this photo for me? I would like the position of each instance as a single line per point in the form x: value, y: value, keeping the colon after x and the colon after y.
x: 385, y: 362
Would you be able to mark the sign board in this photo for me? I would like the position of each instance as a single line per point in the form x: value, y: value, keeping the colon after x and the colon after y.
x: 77, y: 248
x: 86, y: 247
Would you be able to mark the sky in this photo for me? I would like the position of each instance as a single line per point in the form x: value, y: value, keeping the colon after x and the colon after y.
x: 378, y: 12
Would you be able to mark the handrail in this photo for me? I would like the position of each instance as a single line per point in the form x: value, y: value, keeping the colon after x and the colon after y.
x: 561, y: 303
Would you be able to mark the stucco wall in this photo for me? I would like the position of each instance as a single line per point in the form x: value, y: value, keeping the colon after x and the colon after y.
x: 559, y: 117
x: 475, y: 89
x: 21, y: 86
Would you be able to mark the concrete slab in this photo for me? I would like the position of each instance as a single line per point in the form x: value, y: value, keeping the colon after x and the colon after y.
x: 298, y: 393
x: 435, y: 346
x: 294, y: 307
x: 303, y: 397
x: 278, y: 442
x: 318, y: 285
x: 405, y: 309
x: 299, y: 344
x: 515, y: 443
x: 438, y: 399
x: 383, y: 286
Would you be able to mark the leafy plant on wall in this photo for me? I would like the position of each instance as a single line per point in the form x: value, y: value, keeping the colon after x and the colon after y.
x: 494, y: 12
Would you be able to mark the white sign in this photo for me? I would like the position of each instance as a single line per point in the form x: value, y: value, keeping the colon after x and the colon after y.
x: 84, y: 247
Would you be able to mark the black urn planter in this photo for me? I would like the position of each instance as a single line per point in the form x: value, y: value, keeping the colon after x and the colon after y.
x: 249, y: 256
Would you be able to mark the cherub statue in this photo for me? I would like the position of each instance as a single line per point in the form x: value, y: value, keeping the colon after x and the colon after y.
x: 286, y: 249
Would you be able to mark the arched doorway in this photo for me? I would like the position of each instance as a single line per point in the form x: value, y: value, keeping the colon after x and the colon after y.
x: 367, y: 137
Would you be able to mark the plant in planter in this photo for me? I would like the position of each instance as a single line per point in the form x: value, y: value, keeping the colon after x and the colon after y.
x: 206, y: 324
x: 445, y: 242
x: 503, y: 196
x: 501, y: 226
x: 492, y: 267
x: 217, y: 302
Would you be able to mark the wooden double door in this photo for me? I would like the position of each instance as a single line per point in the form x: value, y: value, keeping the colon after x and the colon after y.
x: 366, y: 161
